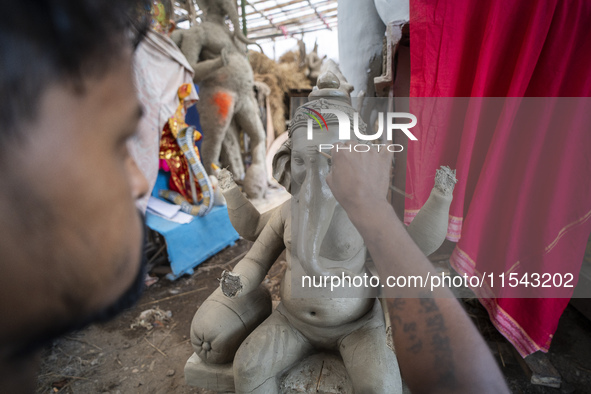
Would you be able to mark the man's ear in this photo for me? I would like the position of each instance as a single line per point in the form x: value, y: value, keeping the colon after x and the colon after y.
x: 282, y: 165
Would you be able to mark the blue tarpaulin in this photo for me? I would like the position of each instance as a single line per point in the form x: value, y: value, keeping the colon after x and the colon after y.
x: 191, y: 244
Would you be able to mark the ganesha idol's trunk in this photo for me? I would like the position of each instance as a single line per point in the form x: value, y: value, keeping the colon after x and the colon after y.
x: 316, y: 207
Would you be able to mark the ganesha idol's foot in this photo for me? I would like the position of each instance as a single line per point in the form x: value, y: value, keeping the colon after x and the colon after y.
x: 255, y: 181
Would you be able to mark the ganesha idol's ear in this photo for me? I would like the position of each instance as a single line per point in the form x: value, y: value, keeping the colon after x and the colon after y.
x: 282, y: 165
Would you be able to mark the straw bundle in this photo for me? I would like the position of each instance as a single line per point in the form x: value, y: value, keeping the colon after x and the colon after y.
x: 280, y: 78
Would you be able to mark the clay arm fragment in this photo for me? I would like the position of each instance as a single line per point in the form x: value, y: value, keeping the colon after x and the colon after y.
x: 250, y: 271
x: 429, y: 228
x: 245, y: 218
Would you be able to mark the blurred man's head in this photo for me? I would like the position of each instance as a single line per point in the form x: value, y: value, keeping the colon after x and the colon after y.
x: 70, y: 236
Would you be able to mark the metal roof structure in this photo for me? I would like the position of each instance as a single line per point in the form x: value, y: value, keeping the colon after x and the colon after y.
x: 268, y: 19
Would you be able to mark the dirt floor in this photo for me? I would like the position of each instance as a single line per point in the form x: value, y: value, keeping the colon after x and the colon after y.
x: 116, y: 358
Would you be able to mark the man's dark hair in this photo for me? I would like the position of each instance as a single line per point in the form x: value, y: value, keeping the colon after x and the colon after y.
x: 44, y: 42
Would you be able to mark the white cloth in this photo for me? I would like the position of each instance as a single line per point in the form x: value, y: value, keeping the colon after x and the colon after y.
x: 168, y: 211
x: 160, y: 69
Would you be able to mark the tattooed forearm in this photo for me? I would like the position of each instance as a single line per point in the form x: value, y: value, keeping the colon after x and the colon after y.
x: 414, y: 343
x: 440, y: 342
x: 427, y: 335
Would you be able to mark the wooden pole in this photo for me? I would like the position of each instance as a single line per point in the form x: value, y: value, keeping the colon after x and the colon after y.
x: 244, y: 30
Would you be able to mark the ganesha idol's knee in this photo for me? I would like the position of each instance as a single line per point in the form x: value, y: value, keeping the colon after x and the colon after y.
x: 375, y: 369
x: 253, y: 375
x: 221, y: 323
x: 266, y: 354
x: 257, y: 361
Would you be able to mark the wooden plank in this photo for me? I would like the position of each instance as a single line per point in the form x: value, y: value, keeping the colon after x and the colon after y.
x: 287, y: 15
x: 277, y: 9
x: 297, y: 21
x: 321, y: 373
x: 270, y: 36
x: 292, y: 29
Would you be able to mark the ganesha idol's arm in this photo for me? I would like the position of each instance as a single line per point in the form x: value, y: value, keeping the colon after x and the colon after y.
x: 245, y: 218
x: 429, y: 228
x: 250, y: 271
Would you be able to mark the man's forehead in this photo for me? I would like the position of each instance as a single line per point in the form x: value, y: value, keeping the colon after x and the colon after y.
x: 107, y: 105
x: 117, y: 83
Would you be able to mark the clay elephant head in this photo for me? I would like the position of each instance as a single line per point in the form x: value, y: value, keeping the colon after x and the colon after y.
x: 225, y: 7
x: 302, y: 171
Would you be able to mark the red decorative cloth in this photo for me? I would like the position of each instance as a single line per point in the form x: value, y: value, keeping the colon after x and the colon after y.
x: 523, y: 198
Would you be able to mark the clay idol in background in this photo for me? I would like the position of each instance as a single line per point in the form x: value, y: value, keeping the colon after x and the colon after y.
x: 226, y: 87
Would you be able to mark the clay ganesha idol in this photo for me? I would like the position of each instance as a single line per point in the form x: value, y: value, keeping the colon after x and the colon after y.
x: 240, y: 343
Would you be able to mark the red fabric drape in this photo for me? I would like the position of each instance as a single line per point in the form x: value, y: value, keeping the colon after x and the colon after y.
x: 524, y: 165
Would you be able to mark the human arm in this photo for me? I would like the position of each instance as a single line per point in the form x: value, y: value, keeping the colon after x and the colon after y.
x: 438, y: 348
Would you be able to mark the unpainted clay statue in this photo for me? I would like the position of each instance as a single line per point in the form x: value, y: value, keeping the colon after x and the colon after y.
x: 314, y: 64
x: 310, y: 63
x: 320, y: 240
x: 225, y: 81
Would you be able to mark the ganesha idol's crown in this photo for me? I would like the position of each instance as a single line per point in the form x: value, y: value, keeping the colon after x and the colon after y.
x: 328, y: 94
x: 329, y: 87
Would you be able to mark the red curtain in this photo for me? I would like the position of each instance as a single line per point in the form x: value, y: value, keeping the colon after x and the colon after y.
x: 523, y: 198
